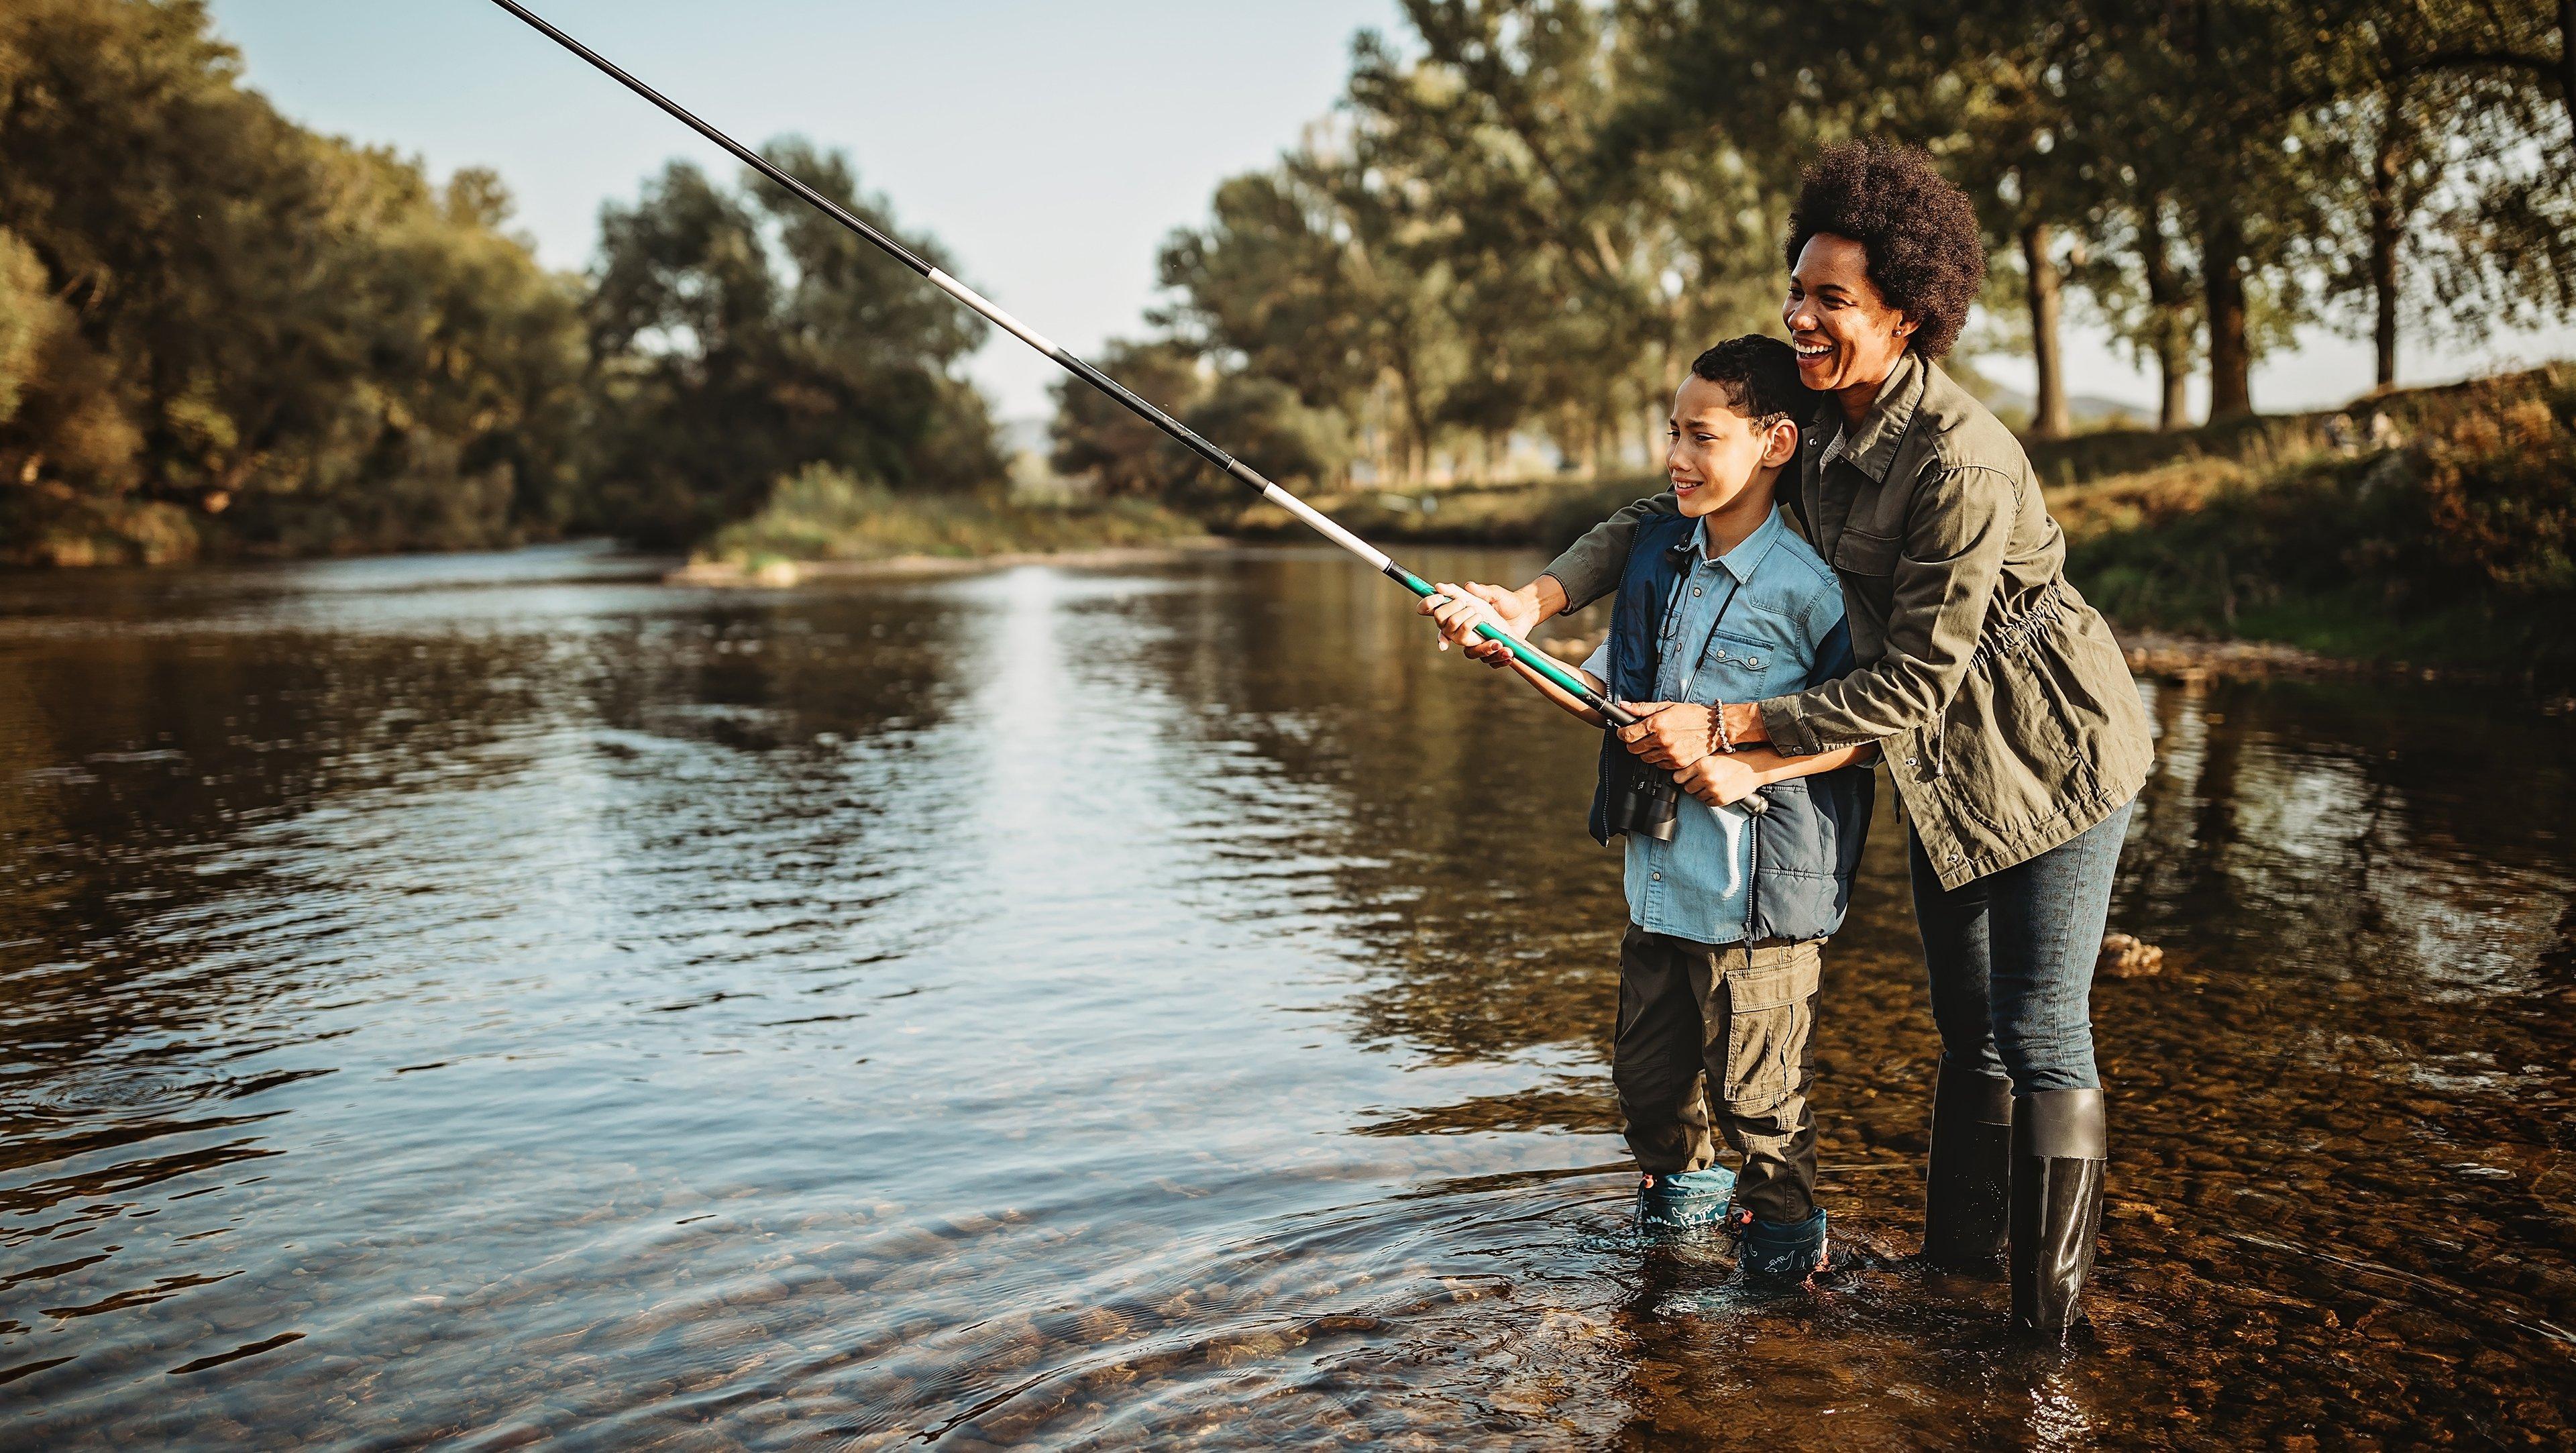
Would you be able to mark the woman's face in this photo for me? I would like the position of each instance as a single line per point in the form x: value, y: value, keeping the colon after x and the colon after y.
x: 1846, y: 334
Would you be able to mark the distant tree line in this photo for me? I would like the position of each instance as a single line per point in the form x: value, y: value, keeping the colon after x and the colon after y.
x: 1526, y: 218
x: 219, y: 327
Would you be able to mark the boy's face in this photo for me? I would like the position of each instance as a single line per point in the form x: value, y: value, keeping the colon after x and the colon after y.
x: 1715, y: 452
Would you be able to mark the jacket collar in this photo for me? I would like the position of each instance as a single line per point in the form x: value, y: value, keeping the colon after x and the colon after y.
x: 1872, y: 447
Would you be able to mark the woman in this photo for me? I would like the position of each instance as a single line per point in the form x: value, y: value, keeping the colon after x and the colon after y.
x: 2002, y: 704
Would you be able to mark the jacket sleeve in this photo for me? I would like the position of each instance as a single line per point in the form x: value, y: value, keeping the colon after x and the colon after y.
x: 1589, y: 569
x: 1947, y: 568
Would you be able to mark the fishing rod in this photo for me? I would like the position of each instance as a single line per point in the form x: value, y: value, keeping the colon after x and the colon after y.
x: 1537, y: 660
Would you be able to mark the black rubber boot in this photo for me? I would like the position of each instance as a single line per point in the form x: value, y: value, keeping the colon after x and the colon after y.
x: 1967, y: 1197
x: 2058, y: 1155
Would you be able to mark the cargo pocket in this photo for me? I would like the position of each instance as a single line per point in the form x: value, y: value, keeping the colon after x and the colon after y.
x: 1770, y: 1012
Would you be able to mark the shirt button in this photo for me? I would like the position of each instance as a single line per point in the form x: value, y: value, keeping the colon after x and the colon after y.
x: 1911, y: 762
x: 1658, y: 877
x: 1753, y: 661
x: 1955, y: 857
x: 1694, y: 590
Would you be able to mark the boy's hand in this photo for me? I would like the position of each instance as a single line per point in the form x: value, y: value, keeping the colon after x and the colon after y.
x: 1456, y: 613
x: 1673, y: 736
x: 1517, y: 611
x: 1459, y: 609
x: 1718, y: 779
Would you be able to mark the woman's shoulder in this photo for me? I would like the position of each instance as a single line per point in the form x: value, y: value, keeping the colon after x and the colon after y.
x: 1958, y: 432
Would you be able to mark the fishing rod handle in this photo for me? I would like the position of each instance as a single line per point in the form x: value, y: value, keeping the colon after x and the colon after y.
x: 1528, y: 655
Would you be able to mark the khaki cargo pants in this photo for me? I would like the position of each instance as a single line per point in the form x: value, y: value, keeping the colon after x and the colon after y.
x: 1729, y: 1026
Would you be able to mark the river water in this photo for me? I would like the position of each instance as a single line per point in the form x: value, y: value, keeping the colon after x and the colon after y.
x: 495, y: 999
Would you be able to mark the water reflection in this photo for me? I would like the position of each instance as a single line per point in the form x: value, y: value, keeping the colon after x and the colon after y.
x: 506, y: 997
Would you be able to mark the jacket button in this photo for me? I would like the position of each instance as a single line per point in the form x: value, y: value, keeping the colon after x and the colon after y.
x: 1911, y: 762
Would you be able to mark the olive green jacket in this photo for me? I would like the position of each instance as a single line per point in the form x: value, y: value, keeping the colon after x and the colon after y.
x: 2000, y: 700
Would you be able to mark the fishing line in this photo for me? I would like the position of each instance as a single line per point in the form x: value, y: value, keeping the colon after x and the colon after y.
x: 1537, y: 660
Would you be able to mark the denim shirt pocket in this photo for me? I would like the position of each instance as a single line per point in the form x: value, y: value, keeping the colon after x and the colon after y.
x: 1750, y: 658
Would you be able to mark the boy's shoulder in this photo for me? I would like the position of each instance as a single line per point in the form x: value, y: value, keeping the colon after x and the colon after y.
x: 1792, y: 551
x: 1798, y: 583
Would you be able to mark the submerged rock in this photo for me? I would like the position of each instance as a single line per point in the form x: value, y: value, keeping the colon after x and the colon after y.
x: 2125, y: 956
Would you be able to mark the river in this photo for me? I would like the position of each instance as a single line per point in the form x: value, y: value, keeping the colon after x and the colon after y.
x: 496, y: 999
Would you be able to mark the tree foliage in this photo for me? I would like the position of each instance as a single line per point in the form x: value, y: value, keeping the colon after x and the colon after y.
x: 219, y: 327
x: 738, y: 336
x: 1528, y: 214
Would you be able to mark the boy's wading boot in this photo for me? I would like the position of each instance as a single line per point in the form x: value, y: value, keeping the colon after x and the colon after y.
x: 1771, y: 1252
x: 1670, y: 1204
x: 1967, y: 1196
x: 2058, y: 1156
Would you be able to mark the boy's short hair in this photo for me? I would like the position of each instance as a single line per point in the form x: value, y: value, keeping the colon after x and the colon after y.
x: 1760, y: 376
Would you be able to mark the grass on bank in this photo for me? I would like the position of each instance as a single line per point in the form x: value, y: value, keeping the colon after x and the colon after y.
x: 821, y: 513
x: 2456, y: 547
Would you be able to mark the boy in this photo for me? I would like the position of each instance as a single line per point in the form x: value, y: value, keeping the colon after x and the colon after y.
x: 1729, y: 905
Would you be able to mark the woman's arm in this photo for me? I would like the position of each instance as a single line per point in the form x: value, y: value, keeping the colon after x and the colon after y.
x: 1946, y: 570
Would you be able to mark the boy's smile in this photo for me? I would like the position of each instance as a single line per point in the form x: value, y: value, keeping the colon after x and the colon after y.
x: 1722, y: 463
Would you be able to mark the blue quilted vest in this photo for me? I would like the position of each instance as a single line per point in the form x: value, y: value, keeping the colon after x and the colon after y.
x: 1807, y: 840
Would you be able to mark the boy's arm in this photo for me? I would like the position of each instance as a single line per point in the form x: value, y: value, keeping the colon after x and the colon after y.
x: 1718, y: 778
x: 1469, y: 605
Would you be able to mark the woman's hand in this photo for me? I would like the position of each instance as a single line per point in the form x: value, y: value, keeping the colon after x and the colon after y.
x: 1673, y: 736
x: 1718, y: 779
x: 1459, y: 609
x: 1516, y: 612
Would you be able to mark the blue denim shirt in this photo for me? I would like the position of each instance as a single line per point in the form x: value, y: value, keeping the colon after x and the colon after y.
x: 1757, y: 622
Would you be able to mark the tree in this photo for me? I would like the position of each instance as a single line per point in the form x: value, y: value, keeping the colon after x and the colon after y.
x: 216, y: 311
x: 738, y: 336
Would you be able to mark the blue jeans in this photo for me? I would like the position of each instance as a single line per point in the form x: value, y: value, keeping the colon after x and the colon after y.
x: 2011, y: 956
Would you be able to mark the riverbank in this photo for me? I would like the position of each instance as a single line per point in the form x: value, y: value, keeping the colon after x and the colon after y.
x: 779, y: 573
x: 823, y: 521
x: 2420, y: 530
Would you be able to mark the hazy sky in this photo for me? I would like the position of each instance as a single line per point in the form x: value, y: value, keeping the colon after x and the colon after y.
x: 1050, y: 147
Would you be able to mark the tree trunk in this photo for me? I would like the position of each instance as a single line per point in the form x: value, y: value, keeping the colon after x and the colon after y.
x: 2567, y: 62
x: 2049, y: 416
x: 2165, y: 303
x: 2231, y: 361
x: 2383, y: 286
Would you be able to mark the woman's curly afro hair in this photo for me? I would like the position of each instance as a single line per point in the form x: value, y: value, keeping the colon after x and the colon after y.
x: 1926, y: 252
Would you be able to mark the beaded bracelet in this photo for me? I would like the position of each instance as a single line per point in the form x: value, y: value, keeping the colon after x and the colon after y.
x: 1719, y: 738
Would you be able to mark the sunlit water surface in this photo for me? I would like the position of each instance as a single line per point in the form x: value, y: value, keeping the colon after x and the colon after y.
x: 505, y: 998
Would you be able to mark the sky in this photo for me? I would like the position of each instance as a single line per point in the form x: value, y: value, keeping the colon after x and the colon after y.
x: 1050, y: 147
